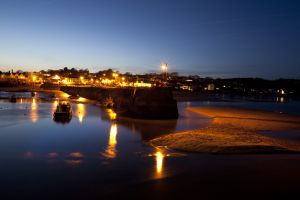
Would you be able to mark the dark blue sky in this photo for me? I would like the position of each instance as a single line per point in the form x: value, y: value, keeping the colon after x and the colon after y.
x: 225, y: 38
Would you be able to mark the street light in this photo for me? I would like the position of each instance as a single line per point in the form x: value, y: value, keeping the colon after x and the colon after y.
x: 164, y: 68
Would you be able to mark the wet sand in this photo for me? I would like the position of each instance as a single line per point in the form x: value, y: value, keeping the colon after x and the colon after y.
x: 234, y: 131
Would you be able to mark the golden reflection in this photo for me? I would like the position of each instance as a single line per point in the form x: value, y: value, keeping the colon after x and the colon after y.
x: 75, y: 158
x: 81, y: 99
x: 159, y: 157
x: 111, y: 114
x: 76, y: 155
x: 65, y: 95
x: 280, y: 99
x: 81, y: 112
x: 54, y: 105
x: 34, y: 111
x: 28, y: 155
x: 73, y: 162
x: 52, y: 155
x: 111, y: 151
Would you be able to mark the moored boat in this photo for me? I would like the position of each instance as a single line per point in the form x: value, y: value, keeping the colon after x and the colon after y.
x: 63, y: 111
x: 13, y: 99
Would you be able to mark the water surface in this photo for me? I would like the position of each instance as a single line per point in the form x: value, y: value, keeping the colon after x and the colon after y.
x: 98, y: 152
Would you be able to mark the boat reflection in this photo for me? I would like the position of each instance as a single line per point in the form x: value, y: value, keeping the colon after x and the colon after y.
x: 149, y: 129
x: 111, y: 151
x: 34, y: 116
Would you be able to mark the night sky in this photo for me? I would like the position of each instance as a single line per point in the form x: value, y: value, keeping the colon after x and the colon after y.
x: 224, y: 38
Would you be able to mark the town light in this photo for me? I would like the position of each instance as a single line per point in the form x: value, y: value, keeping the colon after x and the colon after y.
x: 56, y: 77
x: 115, y: 75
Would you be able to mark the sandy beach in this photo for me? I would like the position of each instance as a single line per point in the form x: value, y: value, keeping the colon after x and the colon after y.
x: 234, y: 131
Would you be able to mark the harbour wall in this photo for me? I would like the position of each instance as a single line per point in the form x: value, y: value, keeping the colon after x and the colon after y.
x: 141, y: 103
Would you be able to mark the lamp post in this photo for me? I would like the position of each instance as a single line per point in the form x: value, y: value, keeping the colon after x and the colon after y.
x: 164, y: 68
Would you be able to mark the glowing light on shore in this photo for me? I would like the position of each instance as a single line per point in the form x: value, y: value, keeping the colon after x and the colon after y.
x: 115, y: 75
x: 81, y: 112
x: 65, y: 95
x: 66, y: 81
x: 107, y: 81
x: 81, y: 99
x: 34, y: 78
x: 111, y: 151
x: 56, y: 77
x: 142, y: 84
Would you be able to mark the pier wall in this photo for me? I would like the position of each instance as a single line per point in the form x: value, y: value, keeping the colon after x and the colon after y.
x: 142, y: 103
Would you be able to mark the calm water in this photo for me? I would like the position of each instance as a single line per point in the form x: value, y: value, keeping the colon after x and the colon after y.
x: 97, y: 153
x: 94, y: 147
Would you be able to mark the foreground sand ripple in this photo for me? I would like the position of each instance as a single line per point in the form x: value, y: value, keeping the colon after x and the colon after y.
x: 234, y: 131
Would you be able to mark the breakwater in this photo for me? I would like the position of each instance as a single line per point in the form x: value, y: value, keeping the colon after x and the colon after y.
x: 141, y: 103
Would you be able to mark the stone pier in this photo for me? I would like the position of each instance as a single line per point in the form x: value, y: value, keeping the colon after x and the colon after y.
x: 141, y: 103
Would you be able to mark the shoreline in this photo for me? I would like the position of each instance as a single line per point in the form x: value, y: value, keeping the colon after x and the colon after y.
x: 234, y: 131
x: 27, y: 89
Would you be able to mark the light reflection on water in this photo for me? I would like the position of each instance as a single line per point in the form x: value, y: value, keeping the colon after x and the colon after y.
x: 81, y: 111
x: 120, y: 141
x: 111, y: 151
x: 159, y: 163
x: 111, y: 114
x: 73, y: 149
x: 34, y: 115
x: 54, y: 106
x: 75, y: 158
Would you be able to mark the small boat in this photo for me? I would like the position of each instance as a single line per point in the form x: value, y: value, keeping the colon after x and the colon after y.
x: 13, y: 99
x: 108, y: 102
x: 63, y: 111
